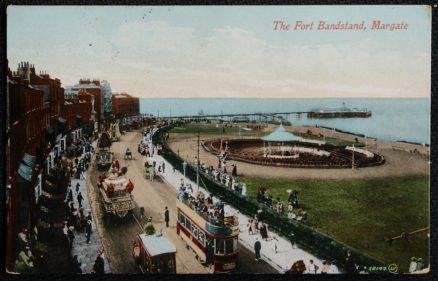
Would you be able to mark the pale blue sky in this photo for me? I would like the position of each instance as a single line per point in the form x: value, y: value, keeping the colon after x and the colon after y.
x: 223, y: 51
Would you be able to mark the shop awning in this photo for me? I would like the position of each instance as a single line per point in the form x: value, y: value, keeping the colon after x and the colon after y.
x: 25, y: 170
x: 62, y: 126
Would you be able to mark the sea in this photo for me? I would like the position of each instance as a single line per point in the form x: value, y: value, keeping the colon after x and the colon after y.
x: 392, y: 119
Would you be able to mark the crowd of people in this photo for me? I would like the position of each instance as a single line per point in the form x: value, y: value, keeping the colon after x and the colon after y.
x: 26, y: 261
x: 279, y: 206
x: 78, y: 168
x: 258, y: 226
x: 311, y: 268
x: 212, y: 212
x: 222, y: 177
x: 77, y: 219
x: 416, y: 265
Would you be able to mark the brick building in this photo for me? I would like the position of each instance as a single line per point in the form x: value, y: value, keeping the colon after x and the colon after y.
x: 93, y: 87
x: 53, y: 92
x: 125, y: 105
x: 36, y: 118
x: 77, y: 109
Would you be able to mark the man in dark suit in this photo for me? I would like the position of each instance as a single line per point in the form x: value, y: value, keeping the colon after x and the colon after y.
x: 166, y: 216
x: 257, y: 248
x: 88, y: 231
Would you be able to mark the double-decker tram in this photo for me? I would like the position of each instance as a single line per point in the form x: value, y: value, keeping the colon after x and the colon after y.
x: 211, y: 235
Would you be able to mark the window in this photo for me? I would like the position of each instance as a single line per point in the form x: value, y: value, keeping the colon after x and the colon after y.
x: 182, y: 219
x: 201, y: 237
x: 188, y: 224
x: 195, y: 231
x: 220, y: 247
x: 229, y: 246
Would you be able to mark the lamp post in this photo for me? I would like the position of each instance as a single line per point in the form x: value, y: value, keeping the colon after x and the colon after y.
x: 184, y: 168
x: 352, y: 160
x: 197, y: 166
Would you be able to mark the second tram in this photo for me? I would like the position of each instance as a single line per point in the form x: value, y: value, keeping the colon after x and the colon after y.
x: 211, y: 235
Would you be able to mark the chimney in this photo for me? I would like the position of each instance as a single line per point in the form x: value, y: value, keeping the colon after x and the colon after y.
x: 24, y: 71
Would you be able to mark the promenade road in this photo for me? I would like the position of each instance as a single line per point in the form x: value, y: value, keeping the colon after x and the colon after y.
x: 118, y: 235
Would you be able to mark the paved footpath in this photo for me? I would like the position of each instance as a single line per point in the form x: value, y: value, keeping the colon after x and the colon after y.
x: 86, y: 253
x: 281, y: 260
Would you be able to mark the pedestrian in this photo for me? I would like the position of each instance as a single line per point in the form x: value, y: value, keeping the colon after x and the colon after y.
x: 250, y: 232
x: 163, y: 166
x: 413, y: 265
x: 255, y: 226
x: 275, y: 245
x: 151, y: 173
x: 166, y: 216
x: 88, y: 231
x: 80, y: 198
x: 350, y: 266
x: 141, y: 212
x: 325, y: 267
x: 234, y: 171
x: 261, y: 229
x: 312, y: 268
x: 292, y: 240
x: 257, y: 248
x: 99, y: 263
x: 89, y: 217
x: 420, y: 264
x: 70, y: 196
x: 77, y: 187
x: 210, y: 199
x: 77, y: 265
x: 70, y: 236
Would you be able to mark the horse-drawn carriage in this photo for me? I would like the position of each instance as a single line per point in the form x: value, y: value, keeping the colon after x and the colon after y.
x: 148, y: 170
x: 115, y: 193
x: 104, y: 157
x: 128, y: 154
x: 114, y: 132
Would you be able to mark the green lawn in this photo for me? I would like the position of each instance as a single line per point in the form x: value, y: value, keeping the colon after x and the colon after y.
x: 362, y: 213
x: 213, y: 129
x: 333, y: 141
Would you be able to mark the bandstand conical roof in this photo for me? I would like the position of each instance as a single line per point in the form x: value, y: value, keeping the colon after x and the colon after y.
x: 281, y: 135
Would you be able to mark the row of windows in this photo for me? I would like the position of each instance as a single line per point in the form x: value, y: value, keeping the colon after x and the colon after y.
x: 196, y: 232
x: 226, y: 246
x: 221, y: 246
